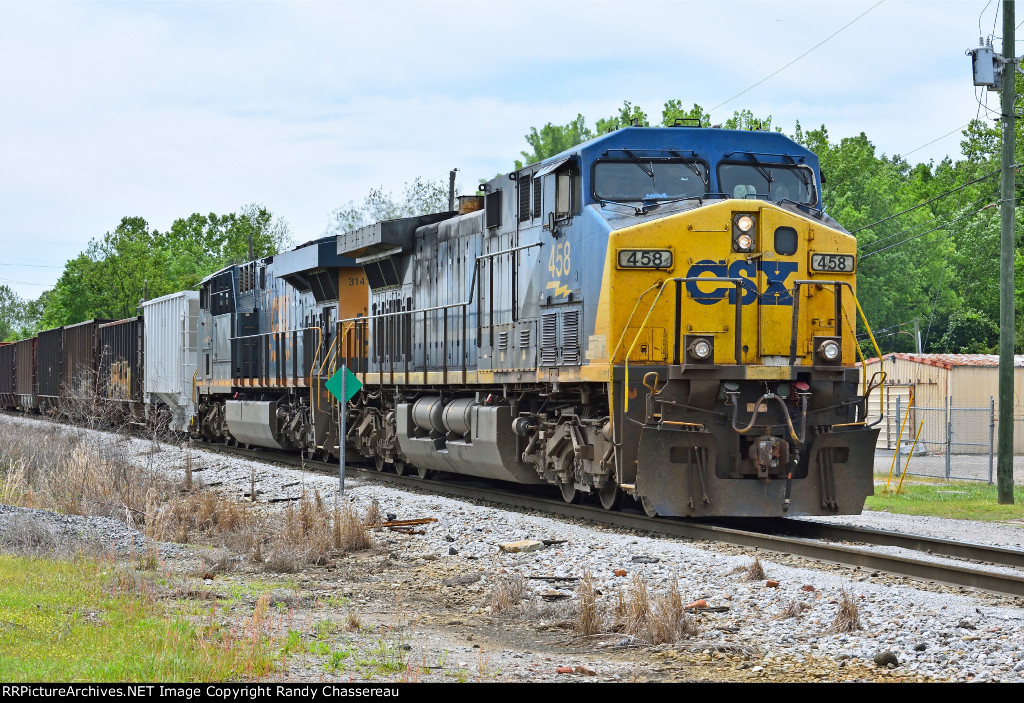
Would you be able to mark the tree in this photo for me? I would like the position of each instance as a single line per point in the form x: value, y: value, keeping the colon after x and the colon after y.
x: 554, y: 139
x: 12, y: 313
x: 132, y: 262
x: 421, y: 197
x: 969, y: 332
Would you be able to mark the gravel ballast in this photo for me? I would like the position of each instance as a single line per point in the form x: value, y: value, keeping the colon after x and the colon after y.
x: 932, y: 633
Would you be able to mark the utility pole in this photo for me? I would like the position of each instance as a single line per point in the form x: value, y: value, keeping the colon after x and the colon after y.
x: 917, y: 334
x: 998, y: 73
x: 1004, y: 469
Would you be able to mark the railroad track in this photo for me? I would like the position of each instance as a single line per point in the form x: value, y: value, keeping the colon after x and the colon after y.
x: 997, y: 570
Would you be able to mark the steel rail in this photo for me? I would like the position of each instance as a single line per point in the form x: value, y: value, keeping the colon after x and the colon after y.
x: 808, y: 528
x: 1010, y: 584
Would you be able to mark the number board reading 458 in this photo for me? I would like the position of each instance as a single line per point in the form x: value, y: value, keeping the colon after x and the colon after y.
x: 841, y: 263
x: 645, y: 259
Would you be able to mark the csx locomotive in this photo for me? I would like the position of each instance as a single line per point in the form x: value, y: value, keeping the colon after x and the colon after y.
x: 665, y: 314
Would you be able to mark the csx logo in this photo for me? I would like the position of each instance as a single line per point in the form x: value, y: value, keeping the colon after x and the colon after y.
x: 775, y: 273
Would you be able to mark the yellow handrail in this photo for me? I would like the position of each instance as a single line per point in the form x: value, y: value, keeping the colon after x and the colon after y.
x: 650, y: 311
x: 863, y: 361
x: 611, y: 359
x: 320, y: 373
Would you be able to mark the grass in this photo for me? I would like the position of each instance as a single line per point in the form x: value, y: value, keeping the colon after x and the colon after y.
x: 84, y: 620
x: 964, y: 500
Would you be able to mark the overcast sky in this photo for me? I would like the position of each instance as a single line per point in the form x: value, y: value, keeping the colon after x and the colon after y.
x: 165, y: 109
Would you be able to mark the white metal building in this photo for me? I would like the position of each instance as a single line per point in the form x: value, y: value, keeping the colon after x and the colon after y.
x: 941, y: 387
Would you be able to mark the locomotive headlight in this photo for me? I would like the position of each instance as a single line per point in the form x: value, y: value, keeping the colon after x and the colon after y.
x: 700, y: 349
x: 829, y: 350
x: 744, y: 230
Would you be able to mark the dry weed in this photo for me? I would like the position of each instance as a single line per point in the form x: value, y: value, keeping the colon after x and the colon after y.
x: 508, y: 592
x: 755, y: 572
x: 310, y: 534
x: 352, y: 622
x: 588, y: 615
x: 218, y: 561
x: 638, y: 606
x: 373, y: 515
x: 657, y: 619
x: 793, y: 609
x: 847, y: 617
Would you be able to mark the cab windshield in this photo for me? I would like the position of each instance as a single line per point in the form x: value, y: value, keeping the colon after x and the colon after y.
x: 647, y: 179
x: 772, y: 182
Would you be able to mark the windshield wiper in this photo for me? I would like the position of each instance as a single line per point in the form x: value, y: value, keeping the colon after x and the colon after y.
x: 641, y: 210
x: 693, y: 167
x: 649, y: 170
x: 669, y: 201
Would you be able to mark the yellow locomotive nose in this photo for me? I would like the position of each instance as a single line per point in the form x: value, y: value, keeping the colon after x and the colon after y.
x: 737, y: 266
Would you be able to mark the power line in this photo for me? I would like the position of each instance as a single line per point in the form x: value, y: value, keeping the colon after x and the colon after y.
x: 798, y: 57
x: 930, y: 200
x: 26, y: 283
x: 934, y: 229
x: 961, y: 127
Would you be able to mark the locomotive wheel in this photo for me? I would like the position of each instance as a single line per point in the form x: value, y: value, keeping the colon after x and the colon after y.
x: 400, y: 468
x: 649, y: 507
x: 424, y: 473
x: 569, y: 493
x: 611, y: 495
x: 378, y: 462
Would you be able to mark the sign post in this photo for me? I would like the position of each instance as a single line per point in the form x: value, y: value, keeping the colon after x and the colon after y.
x: 342, y: 385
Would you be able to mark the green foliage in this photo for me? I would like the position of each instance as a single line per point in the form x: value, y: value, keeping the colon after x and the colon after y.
x: 17, y: 316
x: 132, y: 262
x: 420, y: 197
x: 969, y: 332
x: 554, y: 139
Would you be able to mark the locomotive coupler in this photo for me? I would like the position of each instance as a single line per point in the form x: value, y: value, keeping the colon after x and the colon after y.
x: 768, y: 453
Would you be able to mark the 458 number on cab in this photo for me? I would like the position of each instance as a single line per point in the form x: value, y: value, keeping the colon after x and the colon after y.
x: 644, y: 259
x: 838, y: 263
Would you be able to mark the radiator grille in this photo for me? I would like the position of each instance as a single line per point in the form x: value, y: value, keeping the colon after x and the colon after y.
x: 524, y: 200
x: 571, y: 337
x: 549, y: 339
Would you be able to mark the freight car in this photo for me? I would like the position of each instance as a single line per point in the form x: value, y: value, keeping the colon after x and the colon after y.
x: 119, y: 381
x: 8, y: 399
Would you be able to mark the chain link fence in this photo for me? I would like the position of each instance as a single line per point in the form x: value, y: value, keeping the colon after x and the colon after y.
x: 948, y: 442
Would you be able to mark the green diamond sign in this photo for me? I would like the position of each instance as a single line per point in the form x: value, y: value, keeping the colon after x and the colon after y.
x: 352, y: 384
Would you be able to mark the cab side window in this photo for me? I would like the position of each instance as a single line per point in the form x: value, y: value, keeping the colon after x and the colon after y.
x: 567, y: 191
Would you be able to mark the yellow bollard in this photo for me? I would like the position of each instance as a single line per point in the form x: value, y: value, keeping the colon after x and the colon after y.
x: 899, y: 438
x: 912, y: 447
